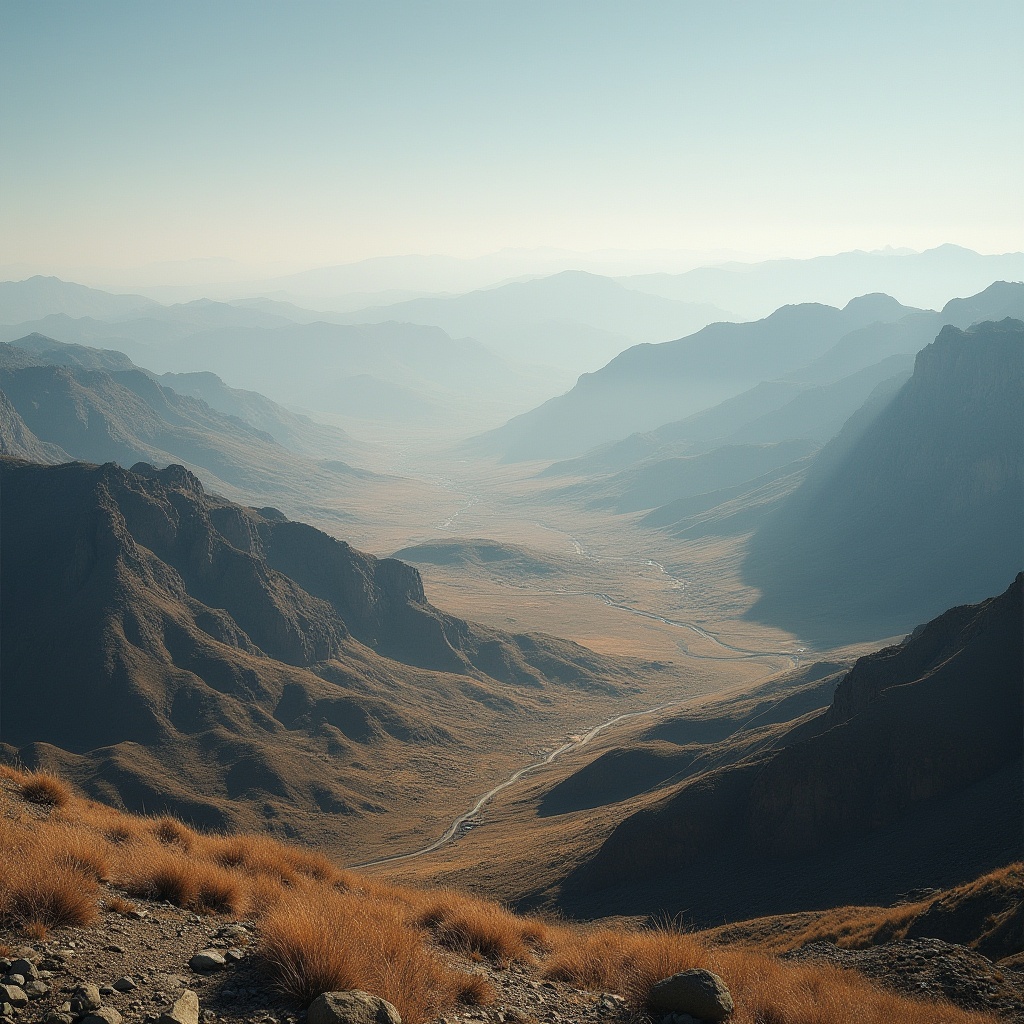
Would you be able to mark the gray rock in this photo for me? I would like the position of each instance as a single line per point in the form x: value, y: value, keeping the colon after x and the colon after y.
x: 184, y: 1010
x: 58, y: 1017
x: 208, y: 960
x: 104, y: 1015
x: 36, y: 989
x: 234, y: 954
x: 125, y: 984
x: 26, y: 968
x: 13, y: 994
x: 351, y: 1008
x: 699, y: 993
x: 13, y: 979
x: 85, y: 998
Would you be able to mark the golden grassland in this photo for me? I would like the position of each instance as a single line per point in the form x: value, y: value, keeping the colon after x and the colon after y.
x: 323, y: 928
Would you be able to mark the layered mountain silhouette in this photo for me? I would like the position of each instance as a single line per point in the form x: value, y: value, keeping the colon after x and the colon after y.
x: 308, y: 365
x: 911, y: 776
x: 171, y: 650
x: 650, y: 385
x: 693, y: 388
x: 915, y: 503
x: 575, y: 320
x: 296, y: 432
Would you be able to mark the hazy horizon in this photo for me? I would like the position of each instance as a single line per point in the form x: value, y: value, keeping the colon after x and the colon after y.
x: 328, y: 133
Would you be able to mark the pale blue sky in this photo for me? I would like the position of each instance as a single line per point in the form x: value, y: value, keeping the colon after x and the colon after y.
x: 320, y: 132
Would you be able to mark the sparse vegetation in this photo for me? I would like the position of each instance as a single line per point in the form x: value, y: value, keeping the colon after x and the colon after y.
x: 325, y: 928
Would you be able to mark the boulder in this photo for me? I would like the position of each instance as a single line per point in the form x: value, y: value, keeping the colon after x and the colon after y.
x: 13, y: 994
x: 208, y: 960
x: 85, y: 998
x: 353, y: 1007
x: 184, y: 1010
x: 104, y: 1015
x: 125, y: 984
x: 699, y: 993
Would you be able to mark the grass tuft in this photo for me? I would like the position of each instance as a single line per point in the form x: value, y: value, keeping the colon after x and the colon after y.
x: 45, y: 788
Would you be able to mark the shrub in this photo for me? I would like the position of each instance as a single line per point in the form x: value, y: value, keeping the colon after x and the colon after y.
x: 46, y: 788
x: 339, y: 941
x: 469, y: 925
x: 51, y: 896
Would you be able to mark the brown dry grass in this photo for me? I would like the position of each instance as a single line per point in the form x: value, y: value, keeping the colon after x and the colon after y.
x: 46, y: 788
x: 119, y: 905
x: 467, y: 925
x: 329, y: 940
x: 765, y: 990
x: 326, y: 928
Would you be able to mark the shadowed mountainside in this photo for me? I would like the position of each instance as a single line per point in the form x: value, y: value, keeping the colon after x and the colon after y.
x: 921, y: 740
x: 910, y: 507
x: 169, y: 649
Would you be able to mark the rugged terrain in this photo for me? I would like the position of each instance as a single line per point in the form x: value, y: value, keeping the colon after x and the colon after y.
x: 239, y: 668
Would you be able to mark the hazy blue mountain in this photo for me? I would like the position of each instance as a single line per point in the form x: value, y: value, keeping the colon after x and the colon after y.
x: 910, y: 334
x: 39, y: 296
x: 296, y: 432
x: 650, y: 385
x: 125, y: 416
x: 311, y: 366
x: 914, y: 506
x: 572, y: 319
x: 923, y: 279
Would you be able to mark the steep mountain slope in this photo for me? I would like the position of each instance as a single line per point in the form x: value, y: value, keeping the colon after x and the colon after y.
x: 650, y: 385
x: 906, y: 510
x: 921, y: 740
x: 169, y: 649
x: 573, y: 319
x: 40, y: 296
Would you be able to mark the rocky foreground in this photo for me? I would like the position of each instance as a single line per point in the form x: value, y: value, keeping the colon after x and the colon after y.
x: 156, y: 963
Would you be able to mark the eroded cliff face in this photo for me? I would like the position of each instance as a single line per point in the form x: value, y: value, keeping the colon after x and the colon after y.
x: 908, y: 728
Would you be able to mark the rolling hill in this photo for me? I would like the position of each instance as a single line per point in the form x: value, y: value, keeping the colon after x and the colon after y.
x: 911, y: 506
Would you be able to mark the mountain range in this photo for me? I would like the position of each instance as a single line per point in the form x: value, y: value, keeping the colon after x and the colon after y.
x: 574, y: 320
x: 97, y: 406
x: 651, y: 386
x: 924, y: 279
x: 234, y: 667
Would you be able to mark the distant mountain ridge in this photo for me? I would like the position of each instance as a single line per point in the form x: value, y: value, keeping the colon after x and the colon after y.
x: 650, y: 385
x: 924, y: 279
